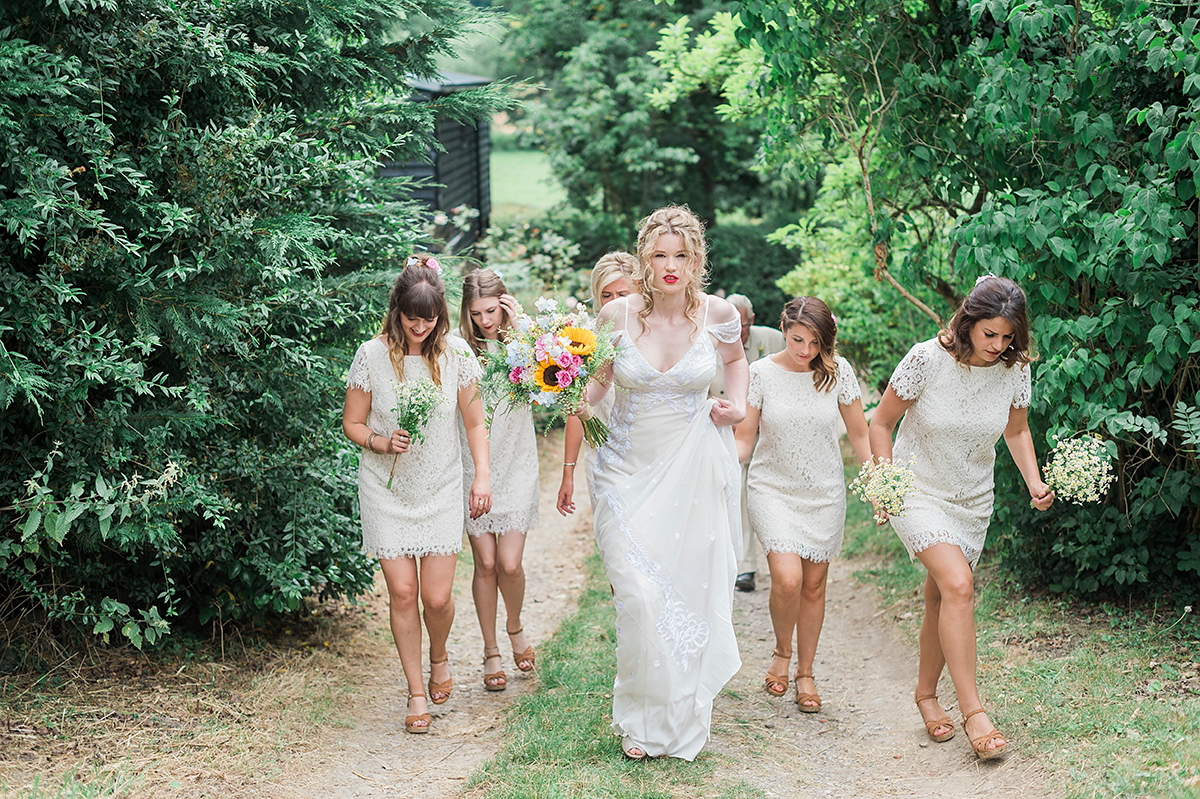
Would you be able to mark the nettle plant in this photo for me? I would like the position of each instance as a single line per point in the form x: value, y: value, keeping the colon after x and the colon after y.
x: 193, y: 241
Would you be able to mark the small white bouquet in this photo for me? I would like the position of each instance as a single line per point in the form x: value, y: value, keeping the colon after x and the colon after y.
x: 885, y: 485
x: 415, y: 403
x: 1079, y: 469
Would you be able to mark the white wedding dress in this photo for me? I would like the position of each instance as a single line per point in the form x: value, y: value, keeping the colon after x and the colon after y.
x: 668, y: 521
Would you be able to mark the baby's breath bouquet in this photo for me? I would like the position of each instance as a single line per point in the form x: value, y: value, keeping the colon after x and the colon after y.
x: 1079, y: 470
x: 547, y: 360
x: 885, y: 485
x: 415, y: 403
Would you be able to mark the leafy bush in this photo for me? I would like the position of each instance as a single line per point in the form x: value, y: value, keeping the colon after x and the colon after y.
x: 193, y: 241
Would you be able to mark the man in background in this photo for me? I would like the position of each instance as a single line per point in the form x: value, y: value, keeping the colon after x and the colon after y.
x: 758, y: 342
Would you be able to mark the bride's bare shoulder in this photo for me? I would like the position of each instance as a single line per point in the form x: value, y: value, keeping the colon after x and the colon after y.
x: 616, y: 310
x: 719, y: 310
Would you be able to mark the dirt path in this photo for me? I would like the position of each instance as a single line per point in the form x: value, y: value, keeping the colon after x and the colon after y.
x: 867, y: 741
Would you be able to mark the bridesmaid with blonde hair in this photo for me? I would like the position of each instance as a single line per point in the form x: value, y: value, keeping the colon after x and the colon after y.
x: 498, y: 537
x: 796, y: 489
x: 413, y: 524
x: 611, y: 278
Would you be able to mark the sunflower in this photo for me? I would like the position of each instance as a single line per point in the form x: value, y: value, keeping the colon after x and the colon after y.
x: 581, y: 340
x: 545, y: 375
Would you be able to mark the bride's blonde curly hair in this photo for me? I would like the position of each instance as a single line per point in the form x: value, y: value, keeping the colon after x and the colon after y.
x: 679, y: 220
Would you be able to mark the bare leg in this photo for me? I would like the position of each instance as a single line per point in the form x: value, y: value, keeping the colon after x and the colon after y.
x: 437, y: 581
x: 954, y: 582
x: 405, y: 618
x: 484, y: 590
x: 510, y: 577
x: 932, y: 661
x: 809, y: 619
x: 787, y: 572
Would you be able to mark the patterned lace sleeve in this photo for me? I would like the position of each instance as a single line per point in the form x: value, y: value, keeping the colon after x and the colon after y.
x: 469, y: 370
x: 909, y: 378
x: 755, y: 395
x: 847, y: 382
x: 727, y: 332
x: 360, y: 372
x: 1024, y: 392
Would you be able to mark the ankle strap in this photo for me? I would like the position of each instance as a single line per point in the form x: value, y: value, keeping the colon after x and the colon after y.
x: 517, y: 631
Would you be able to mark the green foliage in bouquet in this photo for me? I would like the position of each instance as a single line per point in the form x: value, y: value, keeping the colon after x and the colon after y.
x: 194, y: 239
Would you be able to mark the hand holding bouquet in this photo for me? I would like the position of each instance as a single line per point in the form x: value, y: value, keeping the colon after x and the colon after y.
x: 547, y: 361
x: 1079, y: 470
x: 415, y: 403
x: 885, y: 485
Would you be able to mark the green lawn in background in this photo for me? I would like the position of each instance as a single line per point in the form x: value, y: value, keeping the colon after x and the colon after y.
x: 521, y: 185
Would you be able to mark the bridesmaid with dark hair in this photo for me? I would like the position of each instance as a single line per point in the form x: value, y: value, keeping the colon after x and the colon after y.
x: 958, y: 393
x: 415, y: 526
x: 796, y: 490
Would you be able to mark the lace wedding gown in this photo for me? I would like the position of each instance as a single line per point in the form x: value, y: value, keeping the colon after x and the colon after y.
x: 667, y: 517
x: 796, y: 490
x: 949, y: 435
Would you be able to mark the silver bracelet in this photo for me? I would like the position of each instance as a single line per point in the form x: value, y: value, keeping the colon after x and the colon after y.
x: 572, y: 463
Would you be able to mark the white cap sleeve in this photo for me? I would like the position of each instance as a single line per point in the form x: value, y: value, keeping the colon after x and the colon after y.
x: 754, y: 396
x: 1023, y: 394
x: 360, y: 370
x: 847, y: 382
x: 908, y: 381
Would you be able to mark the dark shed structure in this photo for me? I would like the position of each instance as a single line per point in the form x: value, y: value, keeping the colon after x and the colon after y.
x: 459, y: 175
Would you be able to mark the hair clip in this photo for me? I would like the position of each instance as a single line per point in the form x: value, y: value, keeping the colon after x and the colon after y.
x: 412, y: 261
x: 433, y: 264
x: 982, y: 278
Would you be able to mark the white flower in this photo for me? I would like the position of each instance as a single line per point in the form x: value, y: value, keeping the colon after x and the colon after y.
x: 545, y: 304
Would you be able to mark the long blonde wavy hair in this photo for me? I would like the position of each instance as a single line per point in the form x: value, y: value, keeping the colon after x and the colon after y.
x: 680, y: 221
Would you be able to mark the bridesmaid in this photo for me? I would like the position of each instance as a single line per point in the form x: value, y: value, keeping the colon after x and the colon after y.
x: 796, y: 489
x: 415, y: 527
x: 611, y: 278
x: 498, y: 537
x: 958, y: 393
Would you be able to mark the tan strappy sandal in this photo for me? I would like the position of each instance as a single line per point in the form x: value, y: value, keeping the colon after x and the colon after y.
x: 802, y: 698
x: 496, y: 680
x: 777, y: 684
x: 930, y: 726
x: 980, y: 744
x: 439, y: 692
x: 414, y: 723
x: 525, y: 660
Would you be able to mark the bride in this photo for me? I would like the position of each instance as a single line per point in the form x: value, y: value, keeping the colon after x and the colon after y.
x: 667, y: 488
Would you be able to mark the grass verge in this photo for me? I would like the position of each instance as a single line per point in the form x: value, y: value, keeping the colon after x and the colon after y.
x: 1107, y: 698
x: 559, y: 742
x: 522, y: 185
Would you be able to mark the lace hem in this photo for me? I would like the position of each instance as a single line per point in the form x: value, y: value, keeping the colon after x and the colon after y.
x: 847, y: 382
x: 924, y: 541
x: 784, y: 546
x: 685, y: 632
x: 1024, y: 393
x: 359, y: 375
x: 910, y: 375
x: 517, y: 521
x: 391, y: 553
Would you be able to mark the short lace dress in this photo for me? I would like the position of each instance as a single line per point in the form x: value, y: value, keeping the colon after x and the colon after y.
x: 513, y: 464
x: 796, y: 490
x: 948, y: 437
x: 423, y: 513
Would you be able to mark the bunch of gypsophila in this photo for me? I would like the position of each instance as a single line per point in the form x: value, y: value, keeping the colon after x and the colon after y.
x: 416, y: 401
x: 547, y: 360
x: 1079, y: 469
x: 885, y: 485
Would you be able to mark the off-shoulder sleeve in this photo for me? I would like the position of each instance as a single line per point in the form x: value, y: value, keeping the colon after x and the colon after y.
x: 754, y: 396
x: 360, y: 370
x: 908, y: 381
x: 727, y: 332
x: 847, y: 382
x: 1024, y: 389
x: 469, y: 370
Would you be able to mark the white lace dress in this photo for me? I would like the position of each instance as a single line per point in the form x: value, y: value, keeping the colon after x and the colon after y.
x: 667, y: 518
x: 796, y: 490
x: 423, y: 513
x: 949, y: 435
x: 513, y: 464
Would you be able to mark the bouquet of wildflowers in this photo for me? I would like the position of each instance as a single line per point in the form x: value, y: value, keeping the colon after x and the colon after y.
x: 415, y: 403
x: 1080, y: 469
x: 547, y: 360
x: 885, y: 485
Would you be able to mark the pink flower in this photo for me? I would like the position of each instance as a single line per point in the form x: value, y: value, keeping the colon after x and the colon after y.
x: 433, y: 264
x: 564, y: 378
x: 515, y: 374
